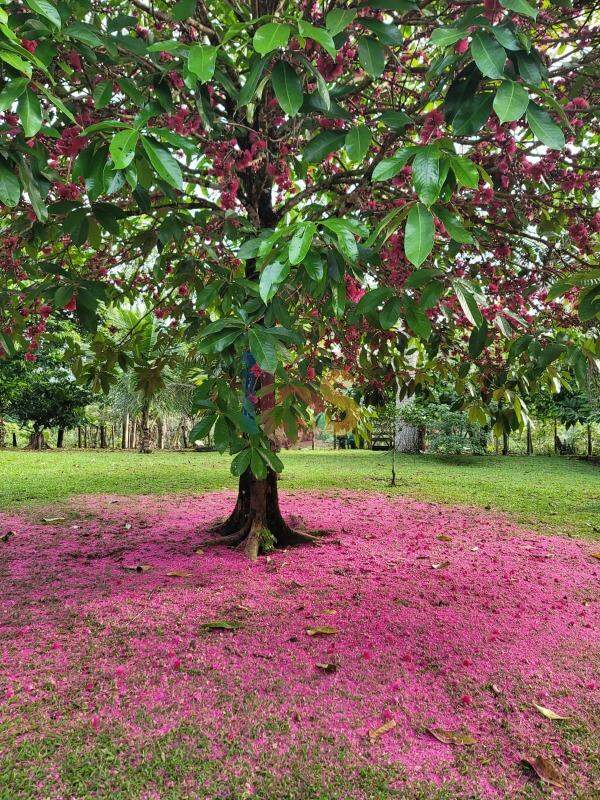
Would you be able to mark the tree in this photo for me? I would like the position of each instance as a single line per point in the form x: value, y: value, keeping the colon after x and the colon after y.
x: 305, y: 190
x: 12, y: 380
x: 47, y: 403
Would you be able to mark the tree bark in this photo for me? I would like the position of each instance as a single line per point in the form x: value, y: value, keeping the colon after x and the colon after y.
x: 407, y: 437
x: 145, y: 444
x: 2, y: 434
x: 60, y: 437
x: 103, y: 442
x: 125, y: 432
x: 14, y: 440
x: 529, y: 440
x: 505, y: 444
x: 256, y: 522
x: 37, y: 441
x: 590, y: 447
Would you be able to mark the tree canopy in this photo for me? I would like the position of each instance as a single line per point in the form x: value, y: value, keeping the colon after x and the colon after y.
x: 307, y: 191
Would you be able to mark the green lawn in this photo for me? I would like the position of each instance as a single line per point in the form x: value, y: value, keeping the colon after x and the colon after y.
x: 554, y: 495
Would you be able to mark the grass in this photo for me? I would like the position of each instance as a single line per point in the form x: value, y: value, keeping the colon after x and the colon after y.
x: 552, y: 495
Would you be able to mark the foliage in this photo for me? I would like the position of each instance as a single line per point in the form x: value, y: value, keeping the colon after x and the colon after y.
x: 322, y: 187
x: 47, y: 402
x: 448, y: 431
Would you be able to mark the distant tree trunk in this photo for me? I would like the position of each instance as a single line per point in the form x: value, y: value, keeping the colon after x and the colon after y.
x: 184, y: 433
x: 103, y: 442
x: 556, y: 439
x: 160, y: 433
x: 529, y: 440
x: 79, y: 436
x: 407, y: 438
x: 2, y: 434
x: 112, y: 435
x: 14, y: 440
x: 145, y: 443
x: 505, y: 443
x: 590, y: 448
x: 37, y: 441
x: 60, y: 437
x: 132, y: 434
x: 125, y: 432
x: 85, y: 436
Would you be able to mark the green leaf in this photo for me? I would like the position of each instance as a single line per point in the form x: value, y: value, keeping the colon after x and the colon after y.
x: 319, y: 35
x: 473, y: 114
x: 396, y: 120
x: 202, y: 428
x: 530, y: 68
x: 544, y: 128
x: 465, y: 171
x: 345, y: 237
x: 444, y: 37
x: 467, y: 301
x: 45, y: 9
x: 453, y: 225
x: 270, y: 37
x: 163, y: 162
x: 322, y: 144
x: 270, y: 278
x: 183, y: 9
x: 418, y: 234
x: 30, y: 113
x: 358, y: 141
x: 12, y: 91
x: 10, y: 188
x: 338, y: 19
x: 102, y: 94
x: 287, y: 87
x: 84, y: 33
x: 241, y: 462
x: 301, y: 242
x: 417, y: 319
x: 313, y: 264
x: 373, y: 299
x: 385, y: 32
x: 390, y: 167
x: 122, y: 147
x: 506, y: 37
x: 257, y: 465
x: 488, y: 54
x: 520, y: 7
x: 252, y: 80
x: 511, y: 101
x: 371, y: 56
x: 478, y: 340
x: 16, y: 62
x: 390, y: 313
x: 221, y: 434
x: 263, y: 347
x: 426, y: 174
x: 202, y: 60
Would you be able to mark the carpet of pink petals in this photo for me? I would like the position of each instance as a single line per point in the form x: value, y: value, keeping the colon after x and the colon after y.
x: 444, y: 618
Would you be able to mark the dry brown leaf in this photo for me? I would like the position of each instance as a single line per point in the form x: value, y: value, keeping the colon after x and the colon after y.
x: 546, y: 770
x: 321, y: 630
x: 330, y: 666
x: 49, y: 520
x: 595, y: 555
x: 137, y: 567
x: 385, y: 728
x: 452, y: 737
x: 548, y: 713
x: 179, y: 573
x: 441, y: 565
x: 199, y: 551
x: 444, y: 537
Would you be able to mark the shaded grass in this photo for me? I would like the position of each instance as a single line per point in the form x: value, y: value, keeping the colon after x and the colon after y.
x: 553, y: 495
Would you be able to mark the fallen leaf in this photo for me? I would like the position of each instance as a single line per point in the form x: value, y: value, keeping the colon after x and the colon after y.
x: 179, y: 573
x: 441, y: 565
x: 7, y: 536
x: 385, y: 728
x: 321, y: 630
x: 496, y: 690
x: 199, y: 551
x: 595, y: 555
x: 330, y: 666
x: 548, y: 713
x: 220, y: 625
x: 451, y: 737
x: 127, y: 526
x: 444, y: 537
x: 49, y: 520
x: 137, y: 567
x: 546, y: 770
x: 330, y: 611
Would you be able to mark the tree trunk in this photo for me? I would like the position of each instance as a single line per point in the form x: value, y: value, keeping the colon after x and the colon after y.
x: 505, y: 443
x: 2, y: 434
x: 590, y: 448
x: 256, y: 522
x: 79, y: 436
x: 145, y: 430
x: 407, y: 437
x: 60, y: 437
x: 103, y: 442
x: 125, y: 432
x: 14, y: 440
x: 529, y: 440
x: 37, y: 441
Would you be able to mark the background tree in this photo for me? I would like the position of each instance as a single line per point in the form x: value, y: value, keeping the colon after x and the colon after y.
x: 302, y: 190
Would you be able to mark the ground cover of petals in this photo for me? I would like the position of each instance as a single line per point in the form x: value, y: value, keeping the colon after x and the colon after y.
x: 326, y: 672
